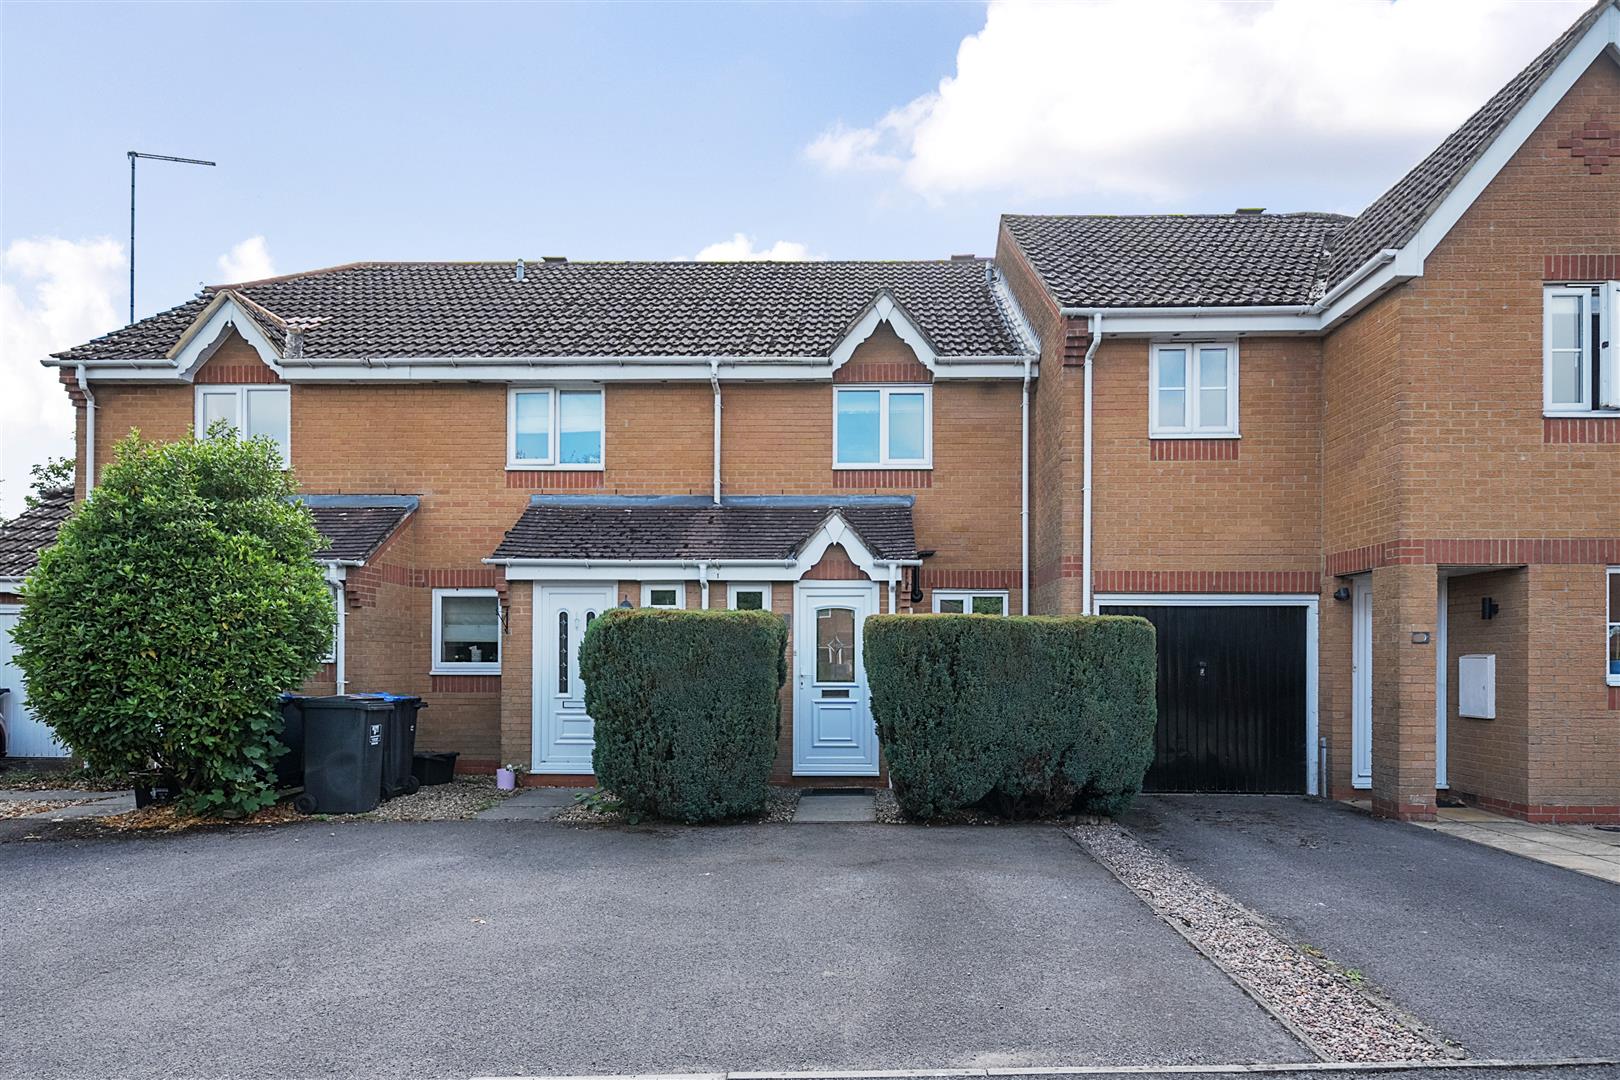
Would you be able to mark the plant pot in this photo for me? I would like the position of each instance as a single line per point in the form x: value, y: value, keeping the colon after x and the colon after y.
x: 505, y: 779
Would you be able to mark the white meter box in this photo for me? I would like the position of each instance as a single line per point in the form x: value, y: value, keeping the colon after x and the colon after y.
x: 1476, y: 686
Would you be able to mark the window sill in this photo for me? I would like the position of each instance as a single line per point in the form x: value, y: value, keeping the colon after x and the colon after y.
x: 1194, y: 435
x: 889, y: 466
x: 465, y: 669
x: 529, y: 466
x: 1576, y: 414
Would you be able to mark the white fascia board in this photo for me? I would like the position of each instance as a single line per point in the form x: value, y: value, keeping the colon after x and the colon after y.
x: 1204, y: 323
x: 11, y: 584
x: 209, y: 330
x: 885, y: 310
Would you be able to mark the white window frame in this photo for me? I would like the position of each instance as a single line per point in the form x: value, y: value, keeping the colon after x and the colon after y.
x: 735, y: 587
x: 884, y: 461
x: 1612, y: 626
x: 967, y: 597
x: 336, y: 593
x: 1600, y: 354
x: 241, y: 392
x: 445, y: 667
x: 554, y: 395
x: 1192, y: 429
x: 647, y: 588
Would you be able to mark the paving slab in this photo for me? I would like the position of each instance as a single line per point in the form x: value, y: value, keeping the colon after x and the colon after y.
x: 817, y: 808
x: 1511, y: 957
x: 444, y: 949
x: 56, y: 794
x: 532, y: 804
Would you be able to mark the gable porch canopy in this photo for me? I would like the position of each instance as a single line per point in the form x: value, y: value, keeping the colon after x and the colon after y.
x: 691, y: 538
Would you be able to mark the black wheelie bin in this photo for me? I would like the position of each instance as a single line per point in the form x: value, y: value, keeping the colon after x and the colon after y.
x: 399, y: 743
x: 344, y: 737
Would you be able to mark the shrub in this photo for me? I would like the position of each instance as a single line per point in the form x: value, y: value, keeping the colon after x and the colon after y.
x: 1030, y: 715
x: 686, y: 708
x: 178, y: 601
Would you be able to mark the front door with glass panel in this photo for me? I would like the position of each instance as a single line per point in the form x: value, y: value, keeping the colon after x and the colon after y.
x: 833, y: 733
x: 564, y: 735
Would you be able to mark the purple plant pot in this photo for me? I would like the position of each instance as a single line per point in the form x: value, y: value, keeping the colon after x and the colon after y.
x: 505, y: 779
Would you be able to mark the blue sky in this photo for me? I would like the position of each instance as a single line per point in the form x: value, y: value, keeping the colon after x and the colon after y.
x: 471, y: 131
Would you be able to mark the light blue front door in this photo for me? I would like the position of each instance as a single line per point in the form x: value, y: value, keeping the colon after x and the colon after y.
x: 833, y: 733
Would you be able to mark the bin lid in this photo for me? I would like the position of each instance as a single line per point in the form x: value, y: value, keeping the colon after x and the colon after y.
x: 380, y: 696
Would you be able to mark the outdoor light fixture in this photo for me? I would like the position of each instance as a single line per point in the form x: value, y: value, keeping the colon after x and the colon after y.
x: 1342, y: 593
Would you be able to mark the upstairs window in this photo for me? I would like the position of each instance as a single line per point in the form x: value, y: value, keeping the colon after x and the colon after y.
x: 252, y: 411
x: 954, y: 602
x: 1194, y: 391
x: 553, y: 428
x: 883, y: 427
x: 1579, y: 366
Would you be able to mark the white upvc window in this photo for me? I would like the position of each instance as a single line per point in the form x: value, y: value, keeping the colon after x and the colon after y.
x: 466, y: 632
x: 554, y: 427
x: 970, y: 602
x: 1614, y: 626
x: 663, y: 594
x: 252, y: 411
x: 748, y: 596
x: 883, y: 427
x: 336, y: 594
x: 1580, y: 372
x: 1193, y: 390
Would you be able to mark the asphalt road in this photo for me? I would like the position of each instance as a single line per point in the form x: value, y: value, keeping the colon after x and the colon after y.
x: 473, y: 948
x: 1510, y: 957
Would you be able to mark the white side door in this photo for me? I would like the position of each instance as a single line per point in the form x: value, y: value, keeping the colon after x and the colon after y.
x: 25, y: 736
x: 1361, y: 652
x: 833, y: 731
x: 564, y: 735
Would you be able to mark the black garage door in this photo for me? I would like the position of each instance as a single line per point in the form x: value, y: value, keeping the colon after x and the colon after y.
x: 1231, y: 698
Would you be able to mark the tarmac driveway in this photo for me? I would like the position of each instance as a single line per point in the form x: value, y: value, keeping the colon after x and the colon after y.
x: 470, y: 948
x: 1513, y: 958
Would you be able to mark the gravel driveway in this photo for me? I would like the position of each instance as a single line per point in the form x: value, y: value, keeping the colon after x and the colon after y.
x: 1510, y: 957
x: 477, y: 948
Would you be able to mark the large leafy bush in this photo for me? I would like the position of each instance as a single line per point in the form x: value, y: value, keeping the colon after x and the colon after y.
x: 686, y: 708
x: 176, y: 604
x: 1029, y: 715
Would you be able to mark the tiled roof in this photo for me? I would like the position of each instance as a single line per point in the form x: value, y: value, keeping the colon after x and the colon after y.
x: 692, y: 527
x: 1175, y: 260
x: 1395, y: 216
x: 355, y: 526
x: 26, y: 535
x: 756, y: 309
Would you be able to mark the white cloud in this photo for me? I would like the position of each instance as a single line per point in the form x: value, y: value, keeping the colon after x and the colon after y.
x: 54, y: 294
x: 1156, y: 101
x: 248, y: 261
x: 740, y: 248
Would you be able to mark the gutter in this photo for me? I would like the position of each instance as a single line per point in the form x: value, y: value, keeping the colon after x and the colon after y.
x: 89, y: 431
x: 1085, y: 489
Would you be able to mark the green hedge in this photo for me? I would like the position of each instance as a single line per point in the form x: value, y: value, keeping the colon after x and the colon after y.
x: 686, y: 708
x: 1029, y: 715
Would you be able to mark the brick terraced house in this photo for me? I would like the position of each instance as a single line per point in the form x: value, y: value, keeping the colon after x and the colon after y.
x: 1362, y: 473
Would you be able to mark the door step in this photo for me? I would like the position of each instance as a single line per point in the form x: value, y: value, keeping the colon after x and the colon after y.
x: 836, y: 805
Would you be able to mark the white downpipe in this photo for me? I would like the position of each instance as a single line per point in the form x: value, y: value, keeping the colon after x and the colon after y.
x: 894, y: 579
x: 1023, y: 509
x: 89, y: 465
x: 703, y: 583
x: 340, y: 647
x: 1085, y: 489
x: 714, y: 381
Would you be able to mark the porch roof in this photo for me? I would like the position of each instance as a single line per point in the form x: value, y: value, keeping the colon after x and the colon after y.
x: 746, y: 527
x: 355, y: 526
x: 26, y: 535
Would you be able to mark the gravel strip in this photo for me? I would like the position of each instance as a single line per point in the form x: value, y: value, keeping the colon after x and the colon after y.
x: 602, y: 808
x: 458, y: 800
x: 24, y: 807
x: 1329, y: 1007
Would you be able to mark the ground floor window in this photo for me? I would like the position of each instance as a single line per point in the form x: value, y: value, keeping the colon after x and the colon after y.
x: 963, y: 602
x: 749, y: 597
x: 336, y: 594
x: 665, y: 594
x: 466, y: 632
x: 1614, y: 626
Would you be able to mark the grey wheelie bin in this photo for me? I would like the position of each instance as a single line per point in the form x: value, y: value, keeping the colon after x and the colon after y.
x: 344, y: 738
x: 399, y: 743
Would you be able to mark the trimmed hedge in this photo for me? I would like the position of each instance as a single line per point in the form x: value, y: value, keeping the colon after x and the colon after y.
x: 1027, y: 714
x: 686, y: 708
